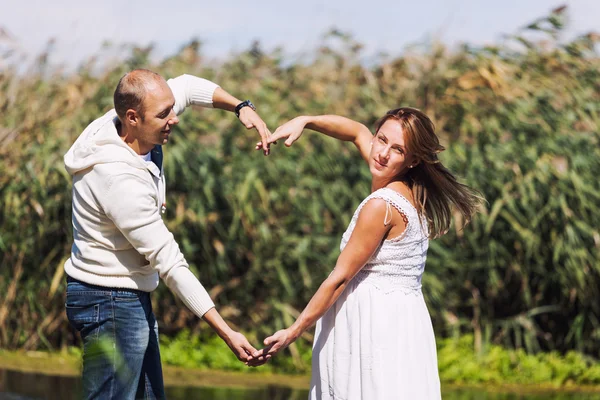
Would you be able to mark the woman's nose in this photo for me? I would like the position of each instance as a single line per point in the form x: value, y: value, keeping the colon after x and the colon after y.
x: 385, y: 153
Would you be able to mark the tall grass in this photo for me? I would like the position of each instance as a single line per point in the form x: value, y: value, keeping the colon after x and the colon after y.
x: 520, y: 121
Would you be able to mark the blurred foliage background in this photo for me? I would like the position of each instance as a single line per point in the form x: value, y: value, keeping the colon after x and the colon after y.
x: 520, y: 122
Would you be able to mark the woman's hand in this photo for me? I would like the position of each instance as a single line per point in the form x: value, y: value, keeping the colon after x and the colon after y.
x: 278, y: 341
x: 291, y: 131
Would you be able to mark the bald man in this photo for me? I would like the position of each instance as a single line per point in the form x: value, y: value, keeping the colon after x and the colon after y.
x: 121, y: 246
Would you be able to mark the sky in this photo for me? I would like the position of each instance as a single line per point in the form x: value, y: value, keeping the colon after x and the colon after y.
x: 79, y: 27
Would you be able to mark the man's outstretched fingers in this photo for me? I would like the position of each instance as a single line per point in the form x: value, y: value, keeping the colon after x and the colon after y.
x: 264, y: 133
x: 250, y: 351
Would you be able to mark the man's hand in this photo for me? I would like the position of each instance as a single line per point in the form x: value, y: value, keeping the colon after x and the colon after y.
x: 251, y: 119
x: 224, y: 101
x: 244, y: 351
x: 240, y: 346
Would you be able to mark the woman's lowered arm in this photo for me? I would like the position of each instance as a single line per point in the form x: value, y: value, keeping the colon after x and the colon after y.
x: 368, y: 233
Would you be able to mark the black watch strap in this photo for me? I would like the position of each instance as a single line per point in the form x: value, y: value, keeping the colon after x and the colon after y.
x: 245, y: 103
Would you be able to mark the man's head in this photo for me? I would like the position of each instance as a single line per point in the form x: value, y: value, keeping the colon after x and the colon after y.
x: 144, y: 104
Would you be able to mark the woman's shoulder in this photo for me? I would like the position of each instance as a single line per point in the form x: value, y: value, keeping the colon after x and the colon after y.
x: 396, y: 191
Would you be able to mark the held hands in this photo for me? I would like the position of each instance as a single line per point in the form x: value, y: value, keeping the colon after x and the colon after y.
x: 244, y: 351
x: 291, y: 131
x: 254, y: 358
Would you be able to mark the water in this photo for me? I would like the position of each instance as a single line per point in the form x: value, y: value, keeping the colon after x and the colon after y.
x: 30, y: 386
x: 16, y: 385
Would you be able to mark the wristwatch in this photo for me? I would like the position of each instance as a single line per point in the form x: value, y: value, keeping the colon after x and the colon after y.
x: 246, y: 103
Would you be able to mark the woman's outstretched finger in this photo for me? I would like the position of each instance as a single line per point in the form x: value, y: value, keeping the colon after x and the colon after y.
x: 278, y: 134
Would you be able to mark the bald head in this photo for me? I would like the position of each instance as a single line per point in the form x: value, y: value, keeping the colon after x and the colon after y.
x: 132, y: 90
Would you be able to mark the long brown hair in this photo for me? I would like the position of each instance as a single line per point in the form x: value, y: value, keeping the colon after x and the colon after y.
x: 435, y: 189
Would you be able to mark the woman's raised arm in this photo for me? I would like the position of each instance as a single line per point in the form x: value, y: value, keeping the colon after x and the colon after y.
x: 337, y: 127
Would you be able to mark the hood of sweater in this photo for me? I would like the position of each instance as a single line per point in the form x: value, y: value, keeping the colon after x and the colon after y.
x: 100, y: 144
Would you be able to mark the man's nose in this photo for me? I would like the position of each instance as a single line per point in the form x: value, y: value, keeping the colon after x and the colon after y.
x: 174, y: 120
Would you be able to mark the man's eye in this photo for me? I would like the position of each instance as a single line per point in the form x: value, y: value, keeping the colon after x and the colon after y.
x: 381, y: 139
x: 166, y: 113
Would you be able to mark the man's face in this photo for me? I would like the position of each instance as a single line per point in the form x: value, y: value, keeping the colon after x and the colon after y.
x: 159, y: 116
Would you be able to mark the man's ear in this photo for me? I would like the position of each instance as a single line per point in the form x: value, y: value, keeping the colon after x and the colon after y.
x: 132, y: 118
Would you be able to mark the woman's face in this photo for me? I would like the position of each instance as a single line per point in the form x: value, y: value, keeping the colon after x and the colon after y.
x: 388, y: 158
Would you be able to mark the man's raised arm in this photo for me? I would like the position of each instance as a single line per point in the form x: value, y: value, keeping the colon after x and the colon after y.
x: 189, y: 89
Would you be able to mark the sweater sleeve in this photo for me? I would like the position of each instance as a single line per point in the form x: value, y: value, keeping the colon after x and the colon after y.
x: 189, y: 89
x: 131, y: 204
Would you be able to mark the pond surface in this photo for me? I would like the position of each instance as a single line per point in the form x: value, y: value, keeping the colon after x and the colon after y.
x: 16, y: 385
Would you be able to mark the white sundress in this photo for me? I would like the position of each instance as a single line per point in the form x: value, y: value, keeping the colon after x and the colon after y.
x: 376, y: 342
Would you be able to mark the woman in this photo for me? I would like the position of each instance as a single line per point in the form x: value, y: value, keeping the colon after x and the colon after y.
x: 374, y: 338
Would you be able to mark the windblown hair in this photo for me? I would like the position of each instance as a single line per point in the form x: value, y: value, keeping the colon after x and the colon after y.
x: 435, y: 189
x: 131, y: 91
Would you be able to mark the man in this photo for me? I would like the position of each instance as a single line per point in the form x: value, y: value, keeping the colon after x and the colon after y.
x: 121, y: 244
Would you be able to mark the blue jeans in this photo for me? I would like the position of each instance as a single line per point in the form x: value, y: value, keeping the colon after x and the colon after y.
x: 121, y: 356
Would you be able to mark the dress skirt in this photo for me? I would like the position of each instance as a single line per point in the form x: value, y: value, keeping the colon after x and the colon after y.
x: 375, y: 345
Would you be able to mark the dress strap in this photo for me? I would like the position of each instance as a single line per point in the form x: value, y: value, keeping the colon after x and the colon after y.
x: 388, y: 211
x: 396, y: 200
x: 405, y: 207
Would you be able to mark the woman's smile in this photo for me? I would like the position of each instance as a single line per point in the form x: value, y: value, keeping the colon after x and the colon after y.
x: 379, y: 165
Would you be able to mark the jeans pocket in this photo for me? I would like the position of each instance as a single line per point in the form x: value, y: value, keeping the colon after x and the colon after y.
x: 83, y: 318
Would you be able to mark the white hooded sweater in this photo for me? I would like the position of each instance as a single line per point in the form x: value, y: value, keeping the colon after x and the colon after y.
x: 119, y: 237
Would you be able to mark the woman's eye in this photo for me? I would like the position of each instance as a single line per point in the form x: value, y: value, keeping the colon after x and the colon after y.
x: 381, y: 139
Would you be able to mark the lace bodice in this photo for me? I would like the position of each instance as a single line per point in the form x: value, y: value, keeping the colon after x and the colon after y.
x: 398, y: 263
